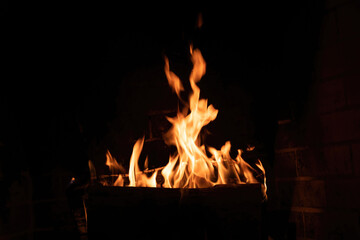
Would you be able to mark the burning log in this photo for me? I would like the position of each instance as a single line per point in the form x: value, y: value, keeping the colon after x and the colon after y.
x: 220, y: 212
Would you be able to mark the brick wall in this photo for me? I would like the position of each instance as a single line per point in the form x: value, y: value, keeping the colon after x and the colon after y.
x: 317, y: 157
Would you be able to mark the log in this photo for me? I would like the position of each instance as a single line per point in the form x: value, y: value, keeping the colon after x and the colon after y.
x: 220, y: 212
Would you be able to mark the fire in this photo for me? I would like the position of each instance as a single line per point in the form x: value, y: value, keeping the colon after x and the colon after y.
x: 174, y: 81
x: 194, y: 165
x: 113, y: 165
x: 191, y: 167
x: 136, y: 177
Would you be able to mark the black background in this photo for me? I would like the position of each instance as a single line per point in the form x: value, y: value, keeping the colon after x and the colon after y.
x: 64, y: 63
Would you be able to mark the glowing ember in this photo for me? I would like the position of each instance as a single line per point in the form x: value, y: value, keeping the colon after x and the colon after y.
x: 190, y: 166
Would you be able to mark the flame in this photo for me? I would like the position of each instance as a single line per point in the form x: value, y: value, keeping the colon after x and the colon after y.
x: 190, y: 167
x: 119, y: 181
x: 261, y: 167
x: 193, y: 165
x: 136, y: 177
x: 92, y: 170
x: 113, y: 165
x: 174, y: 81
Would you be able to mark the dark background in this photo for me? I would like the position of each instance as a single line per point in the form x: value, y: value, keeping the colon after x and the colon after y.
x: 79, y: 78
x: 66, y: 65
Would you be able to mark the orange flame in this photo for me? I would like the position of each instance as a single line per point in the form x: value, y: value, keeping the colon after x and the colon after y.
x: 113, y: 165
x: 174, y: 81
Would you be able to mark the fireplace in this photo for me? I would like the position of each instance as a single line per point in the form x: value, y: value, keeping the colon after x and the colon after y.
x: 88, y: 79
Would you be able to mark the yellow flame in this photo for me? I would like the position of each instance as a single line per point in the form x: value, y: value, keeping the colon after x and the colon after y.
x: 136, y: 177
